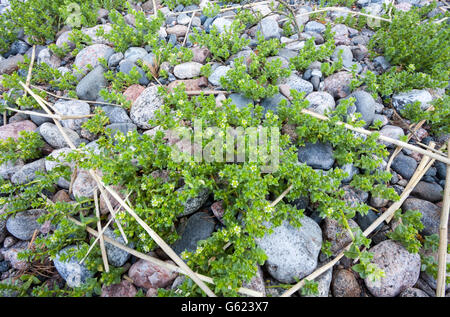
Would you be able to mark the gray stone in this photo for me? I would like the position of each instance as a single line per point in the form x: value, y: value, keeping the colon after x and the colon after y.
x: 269, y: 28
x: 145, y: 106
x: 351, y: 170
x: 364, y: 221
x: 9, y: 168
x: 73, y: 108
x: 218, y: 73
x: 287, y: 53
x: 222, y: 24
x: 441, y: 170
x: 134, y: 53
x: 317, y: 155
x: 23, y: 224
x: 183, y: 19
x: 115, y: 59
x: 52, y: 136
x: 89, y: 87
x: 240, y: 101
x: 28, y: 172
x: 127, y: 66
x: 313, y: 26
x: 122, y: 127
x: 364, y: 104
x: 428, y: 191
x: 116, y: 114
x: 320, y: 102
x: 74, y: 273
x: 381, y: 62
x: 323, y: 284
x: 199, y: 227
x: 400, y: 100
x: 401, y: 268
x: 347, y: 55
x: 382, y: 118
x: 59, y: 156
x: 292, y: 252
x: 193, y: 203
x: 116, y: 256
x: 431, y: 214
x: 149, y: 59
x: 38, y: 120
x: 340, y: 30
x: 302, y: 16
x: 404, y: 165
x: 297, y: 83
x: 413, y: 292
x: 187, y: 70
x: 393, y: 132
x: 272, y: 103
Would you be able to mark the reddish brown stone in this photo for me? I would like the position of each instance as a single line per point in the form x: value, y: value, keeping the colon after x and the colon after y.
x: 114, y: 203
x: 12, y: 130
x: 200, y: 54
x: 61, y: 195
x: 12, y: 256
x: 217, y: 209
x: 345, y: 284
x: 123, y: 289
x: 337, y: 84
x: 152, y: 292
x: 190, y: 84
x: 133, y: 92
x: 178, y: 30
x: 148, y: 275
x: 11, y: 64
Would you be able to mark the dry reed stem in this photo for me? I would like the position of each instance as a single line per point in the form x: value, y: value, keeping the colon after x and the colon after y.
x: 443, y: 231
x: 99, y: 228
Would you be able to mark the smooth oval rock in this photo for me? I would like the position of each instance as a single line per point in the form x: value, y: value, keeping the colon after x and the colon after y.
x: 321, y: 102
x: 187, y: 70
x: 28, y: 172
x: 401, y: 268
x: 23, y: 224
x: 89, y: 87
x: 364, y: 104
x: 74, y: 273
x: 345, y: 284
x: 404, y: 165
x: 90, y: 55
x: 429, y: 191
x: 316, y: 155
x: 431, y: 214
x: 292, y: 252
x: 52, y: 136
x: 199, y: 227
x: 12, y: 130
x: 116, y: 256
x: 149, y: 275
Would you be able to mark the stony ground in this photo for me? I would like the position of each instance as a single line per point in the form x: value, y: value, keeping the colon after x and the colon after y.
x: 291, y: 252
